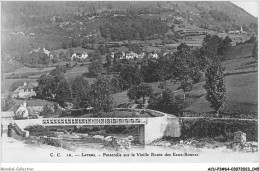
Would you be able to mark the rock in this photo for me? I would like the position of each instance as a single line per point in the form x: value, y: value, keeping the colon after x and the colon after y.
x: 181, y: 142
x: 99, y: 137
x: 239, y: 137
x: 118, y: 143
x: 131, y: 138
x: 168, y: 144
x: 108, y: 138
x: 250, y: 146
x: 237, y: 146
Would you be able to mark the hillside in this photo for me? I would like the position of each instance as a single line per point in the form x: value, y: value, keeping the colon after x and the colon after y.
x: 62, y: 25
x: 204, y: 11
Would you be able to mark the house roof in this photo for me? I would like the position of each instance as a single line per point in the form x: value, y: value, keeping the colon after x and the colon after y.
x: 27, y: 86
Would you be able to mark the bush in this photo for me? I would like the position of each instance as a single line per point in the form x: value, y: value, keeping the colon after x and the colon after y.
x: 47, y: 110
x: 200, y: 128
x: 38, y: 130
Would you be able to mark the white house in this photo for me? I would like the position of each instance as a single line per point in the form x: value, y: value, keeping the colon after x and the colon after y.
x: 25, y: 91
x: 131, y: 55
x: 141, y: 56
x: 22, y: 111
x: 83, y: 56
x: 45, y: 51
x: 153, y: 56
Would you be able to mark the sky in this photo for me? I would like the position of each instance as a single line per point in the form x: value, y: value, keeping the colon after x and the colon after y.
x: 249, y: 6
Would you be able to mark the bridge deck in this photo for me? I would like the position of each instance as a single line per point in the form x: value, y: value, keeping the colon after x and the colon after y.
x: 93, y: 121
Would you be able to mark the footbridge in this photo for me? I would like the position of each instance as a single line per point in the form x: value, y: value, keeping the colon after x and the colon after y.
x: 150, y: 129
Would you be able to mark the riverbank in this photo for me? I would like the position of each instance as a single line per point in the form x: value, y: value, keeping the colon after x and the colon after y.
x: 19, y: 151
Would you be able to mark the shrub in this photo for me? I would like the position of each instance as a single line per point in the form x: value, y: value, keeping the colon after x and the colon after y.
x: 200, y: 128
x: 38, y: 130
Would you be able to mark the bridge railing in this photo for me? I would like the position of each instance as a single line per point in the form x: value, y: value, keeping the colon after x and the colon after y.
x: 93, y: 121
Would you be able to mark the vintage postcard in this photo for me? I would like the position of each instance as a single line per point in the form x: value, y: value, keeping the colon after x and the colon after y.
x: 129, y: 82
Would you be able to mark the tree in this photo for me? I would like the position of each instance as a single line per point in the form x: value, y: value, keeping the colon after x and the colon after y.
x: 46, y: 87
x: 62, y: 55
x: 55, y: 58
x: 103, y: 49
x: 166, y: 102
x: 130, y: 75
x: 135, y: 48
x: 150, y: 71
x: 108, y: 60
x: 64, y: 45
x: 206, y: 39
x: 215, y: 86
x: 212, y: 46
x: 97, y: 54
x: 224, y: 48
x: 71, y: 51
x: 80, y: 91
x: 47, y: 110
x: 95, y: 67
x: 140, y: 91
x: 186, y: 86
x: 63, y: 93
x: 68, y: 56
x: 101, y: 100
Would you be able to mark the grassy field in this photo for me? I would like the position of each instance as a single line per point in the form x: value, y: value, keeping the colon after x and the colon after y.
x: 77, y: 70
x: 241, y: 95
x: 240, y: 51
x: 29, y: 70
x: 239, y: 63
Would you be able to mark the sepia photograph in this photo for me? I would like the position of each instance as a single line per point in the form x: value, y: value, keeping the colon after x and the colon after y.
x: 129, y: 82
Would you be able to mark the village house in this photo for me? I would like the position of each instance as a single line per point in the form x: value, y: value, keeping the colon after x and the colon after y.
x: 22, y: 111
x: 25, y: 91
x: 153, y: 56
x: 83, y: 56
x: 241, y: 31
x: 131, y: 55
x: 141, y: 56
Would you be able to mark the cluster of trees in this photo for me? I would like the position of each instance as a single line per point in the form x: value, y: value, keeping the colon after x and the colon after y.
x: 185, y: 67
x: 167, y: 102
x: 77, y: 91
x: 132, y: 27
x: 215, y: 48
